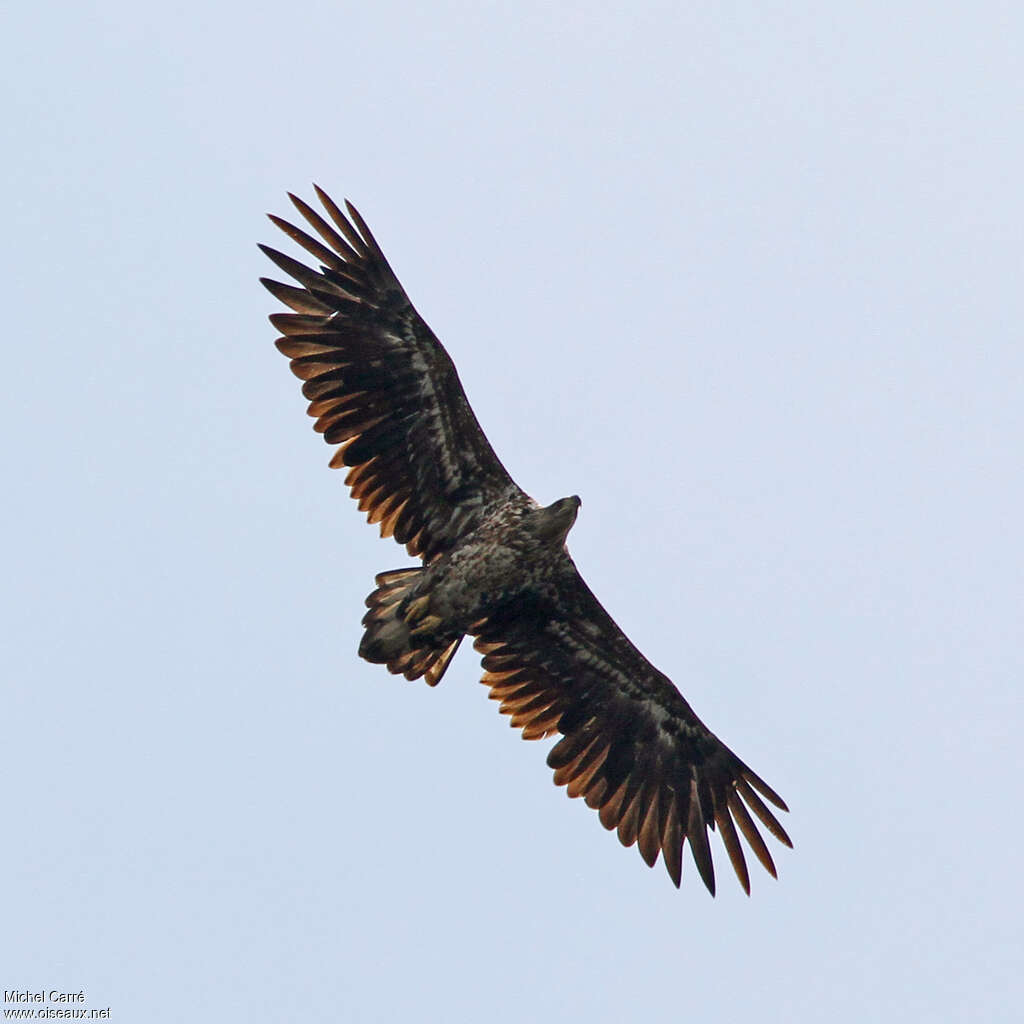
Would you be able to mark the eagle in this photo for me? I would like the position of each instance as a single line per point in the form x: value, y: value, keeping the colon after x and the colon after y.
x: 494, y: 564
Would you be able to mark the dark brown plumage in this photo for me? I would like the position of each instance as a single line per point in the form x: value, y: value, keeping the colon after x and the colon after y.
x: 495, y: 565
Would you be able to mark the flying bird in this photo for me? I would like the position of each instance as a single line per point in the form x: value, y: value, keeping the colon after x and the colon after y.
x: 495, y: 565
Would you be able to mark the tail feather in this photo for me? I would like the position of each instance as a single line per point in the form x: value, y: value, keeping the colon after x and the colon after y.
x: 399, y: 631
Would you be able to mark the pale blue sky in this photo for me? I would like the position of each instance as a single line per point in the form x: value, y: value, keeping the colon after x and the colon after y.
x: 746, y: 277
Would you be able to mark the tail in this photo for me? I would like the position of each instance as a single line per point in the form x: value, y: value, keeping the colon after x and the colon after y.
x: 399, y: 631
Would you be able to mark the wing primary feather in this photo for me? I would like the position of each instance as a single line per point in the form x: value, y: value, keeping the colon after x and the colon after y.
x: 324, y: 230
x: 750, y: 833
x: 297, y: 323
x: 293, y: 268
x: 700, y: 848
x: 672, y: 841
x: 768, y: 819
x: 302, y: 346
x: 341, y: 222
x: 732, y: 846
x: 311, y: 245
x: 649, y: 836
x: 297, y: 298
x: 364, y: 230
x: 764, y: 789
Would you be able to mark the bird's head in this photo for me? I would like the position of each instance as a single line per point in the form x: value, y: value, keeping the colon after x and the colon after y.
x: 554, y: 521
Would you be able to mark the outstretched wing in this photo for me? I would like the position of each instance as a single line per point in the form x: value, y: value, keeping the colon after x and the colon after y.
x: 632, y: 746
x: 381, y: 385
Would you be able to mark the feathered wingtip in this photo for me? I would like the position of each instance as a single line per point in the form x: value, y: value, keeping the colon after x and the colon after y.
x: 349, y: 240
x: 353, y: 268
